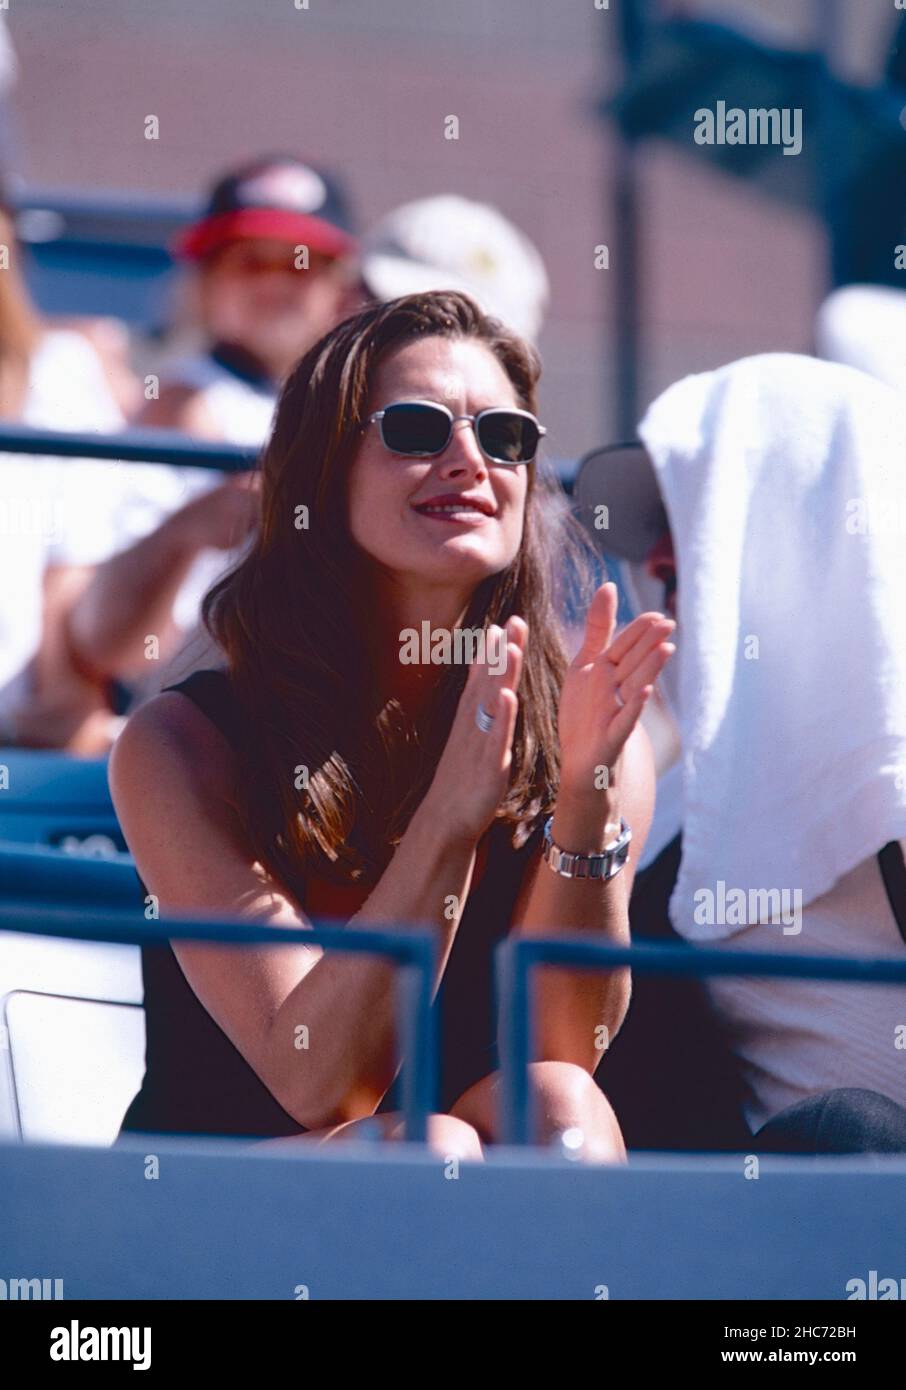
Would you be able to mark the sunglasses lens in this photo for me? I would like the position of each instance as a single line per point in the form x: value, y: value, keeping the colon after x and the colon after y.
x: 508, y: 437
x: 410, y: 428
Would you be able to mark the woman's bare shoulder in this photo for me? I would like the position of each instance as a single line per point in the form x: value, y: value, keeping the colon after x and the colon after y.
x: 169, y: 743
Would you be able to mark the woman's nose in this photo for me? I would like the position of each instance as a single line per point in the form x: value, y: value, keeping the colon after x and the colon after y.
x: 462, y: 453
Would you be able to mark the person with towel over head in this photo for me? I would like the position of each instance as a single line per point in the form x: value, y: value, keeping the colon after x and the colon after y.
x: 764, y: 507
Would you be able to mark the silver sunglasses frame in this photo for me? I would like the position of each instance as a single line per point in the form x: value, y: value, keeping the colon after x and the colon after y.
x: 378, y: 418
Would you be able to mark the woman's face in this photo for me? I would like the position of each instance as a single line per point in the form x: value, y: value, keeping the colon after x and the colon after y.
x: 388, y: 493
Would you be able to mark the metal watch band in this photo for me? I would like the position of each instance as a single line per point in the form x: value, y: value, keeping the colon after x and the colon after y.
x: 604, y: 865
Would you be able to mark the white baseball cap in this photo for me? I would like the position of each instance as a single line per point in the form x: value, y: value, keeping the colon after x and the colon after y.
x: 451, y: 243
x: 864, y: 326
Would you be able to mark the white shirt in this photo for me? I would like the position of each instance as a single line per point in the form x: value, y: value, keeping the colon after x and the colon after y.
x: 797, y: 1038
x: 57, y: 512
x: 243, y: 412
x: 242, y: 409
x: 52, y: 511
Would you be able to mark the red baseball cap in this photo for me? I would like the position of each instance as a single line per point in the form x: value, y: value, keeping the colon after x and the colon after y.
x: 279, y: 197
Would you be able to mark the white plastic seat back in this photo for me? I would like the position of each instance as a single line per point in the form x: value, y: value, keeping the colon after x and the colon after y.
x: 72, y: 1038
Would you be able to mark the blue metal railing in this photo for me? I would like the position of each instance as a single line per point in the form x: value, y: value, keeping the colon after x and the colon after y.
x: 516, y: 957
x: 102, y: 254
x: 101, y: 218
x: 161, y: 446
x: 37, y: 874
x: 130, y: 446
x: 50, y: 894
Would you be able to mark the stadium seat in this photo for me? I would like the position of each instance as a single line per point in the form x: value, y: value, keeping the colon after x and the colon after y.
x: 71, y: 1024
x: 110, y: 255
x: 48, y: 798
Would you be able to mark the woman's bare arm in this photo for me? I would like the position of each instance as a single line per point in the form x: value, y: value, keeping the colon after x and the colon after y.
x: 580, y: 1012
x: 172, y: 775
x: 604, y: 692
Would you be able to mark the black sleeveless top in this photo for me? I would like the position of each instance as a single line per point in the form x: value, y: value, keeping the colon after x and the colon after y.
x: 197, y: 1082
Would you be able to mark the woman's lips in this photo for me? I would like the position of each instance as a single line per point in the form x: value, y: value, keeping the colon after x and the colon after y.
x: 454, y: 516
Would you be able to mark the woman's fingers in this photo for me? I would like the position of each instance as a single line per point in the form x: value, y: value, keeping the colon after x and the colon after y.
x: 655, y: 631
x: 625, y: 720
x: 514, y: 663
x: 501, y: 670
x: 506, y: 655
x: 517, y: 631
x: 472, y: 772
x: 600, y: 622
x: 496, y: 682
x: 516, y: 637
x: 641, y: 629
x: 647, y: 670
x: 505, y: 724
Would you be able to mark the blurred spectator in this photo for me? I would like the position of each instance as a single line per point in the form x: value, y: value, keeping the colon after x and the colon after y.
x: 451, y: 243
x: 270, y: 271
x: 270, y: 274
x: 257, y: 310
x: 55, y: 516
x: 768, y: 507
x: 864, y: 326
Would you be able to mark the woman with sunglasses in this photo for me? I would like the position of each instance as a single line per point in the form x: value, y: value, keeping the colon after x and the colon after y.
x: 319, y: 776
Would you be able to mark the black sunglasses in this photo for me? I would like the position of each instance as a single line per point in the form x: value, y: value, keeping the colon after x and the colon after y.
x: 422, y: 429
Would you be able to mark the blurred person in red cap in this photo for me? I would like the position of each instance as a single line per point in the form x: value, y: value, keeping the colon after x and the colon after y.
x: 270, y: 272
x: 270, y: 260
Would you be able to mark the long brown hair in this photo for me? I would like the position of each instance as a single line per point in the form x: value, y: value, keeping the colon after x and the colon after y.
x: 292, y: 620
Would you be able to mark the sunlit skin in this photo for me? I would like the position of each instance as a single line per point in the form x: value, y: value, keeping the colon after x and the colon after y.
x: 252, y: 294
x: 428, y: 567
x: 423, y: 568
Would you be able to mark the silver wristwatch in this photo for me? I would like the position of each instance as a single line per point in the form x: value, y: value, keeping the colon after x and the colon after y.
x: 607, y: 864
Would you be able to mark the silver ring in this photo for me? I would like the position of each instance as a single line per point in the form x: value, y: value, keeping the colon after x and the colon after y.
x: 483, y: 719
x: 619, y: 698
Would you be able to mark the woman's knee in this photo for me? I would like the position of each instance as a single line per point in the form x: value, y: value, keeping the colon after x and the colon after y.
x: 567, y: 1097
x: 448, y: 1135
x: 452, y: 1137
x: 563, y: 1085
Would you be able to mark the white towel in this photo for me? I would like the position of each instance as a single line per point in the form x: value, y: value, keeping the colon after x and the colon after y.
x: 784, y: 479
